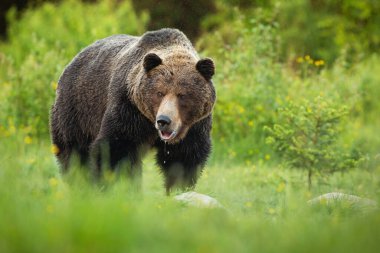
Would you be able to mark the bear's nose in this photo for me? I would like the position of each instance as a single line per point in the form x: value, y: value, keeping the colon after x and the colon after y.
x: 163, y: 121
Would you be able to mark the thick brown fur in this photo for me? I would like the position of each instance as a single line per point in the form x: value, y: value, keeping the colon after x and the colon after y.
x: 110, y: 96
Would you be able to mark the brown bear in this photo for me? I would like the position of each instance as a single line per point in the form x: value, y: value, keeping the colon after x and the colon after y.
x: 123, y: 95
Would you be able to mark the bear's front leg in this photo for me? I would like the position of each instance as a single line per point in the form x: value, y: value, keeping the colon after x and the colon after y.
x: 182, y: 163
x: 115, y: 148
x: 121, y: 141
x: 117, y: 155
x: 177, y: 175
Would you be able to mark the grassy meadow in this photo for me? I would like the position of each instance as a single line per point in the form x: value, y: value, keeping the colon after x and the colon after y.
x: 266, y: 210
x: 278, y: 119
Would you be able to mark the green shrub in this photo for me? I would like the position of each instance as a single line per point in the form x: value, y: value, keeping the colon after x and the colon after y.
x: 306, y: 134
x: 41, y: 43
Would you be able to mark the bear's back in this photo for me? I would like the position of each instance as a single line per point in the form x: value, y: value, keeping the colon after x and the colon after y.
x: 93, y: 62
x: 164, y: 38
x: 83, y: 86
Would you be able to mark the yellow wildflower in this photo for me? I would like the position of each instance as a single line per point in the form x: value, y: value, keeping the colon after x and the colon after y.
x: 28, y: 139
x: 54, y: 149
x: 241, y: 109
x: 248, y: 204
x: 54, y: 85
x: 271, y: 211
x: 250, y: 123
x: 53, y: 182
x: 319, y: 63
x: 307, y: 57
x: 267, y: 157
x: 299, y: 59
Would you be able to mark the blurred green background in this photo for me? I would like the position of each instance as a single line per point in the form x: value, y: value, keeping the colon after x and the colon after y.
x: 298, y: 89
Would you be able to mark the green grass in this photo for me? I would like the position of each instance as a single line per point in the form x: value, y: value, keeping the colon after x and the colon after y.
x: 266, y: 210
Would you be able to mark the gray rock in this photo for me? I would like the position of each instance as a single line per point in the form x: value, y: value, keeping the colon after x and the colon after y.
x: 336, y: 198
x: 198, y: 200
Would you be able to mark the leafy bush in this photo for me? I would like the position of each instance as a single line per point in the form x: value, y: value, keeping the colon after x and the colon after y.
x: 41, y: 43
x: 306, y: 135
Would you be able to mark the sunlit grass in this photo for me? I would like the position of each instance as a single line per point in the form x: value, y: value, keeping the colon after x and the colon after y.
x: 265, y: 210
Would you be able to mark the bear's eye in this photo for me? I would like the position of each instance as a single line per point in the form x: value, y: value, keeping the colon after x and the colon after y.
x: 181, y: 96
x: 160, y: 94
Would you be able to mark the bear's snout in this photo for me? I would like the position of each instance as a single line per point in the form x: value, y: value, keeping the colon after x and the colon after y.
x: 166, y: 129
x: 168, y: 120
x: 163, y: 121
x: 163, y: 126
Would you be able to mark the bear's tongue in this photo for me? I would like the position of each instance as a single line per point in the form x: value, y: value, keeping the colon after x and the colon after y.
x: 166, y: 134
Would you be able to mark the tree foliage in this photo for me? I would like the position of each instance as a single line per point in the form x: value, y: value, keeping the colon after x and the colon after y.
x: 305, y: 135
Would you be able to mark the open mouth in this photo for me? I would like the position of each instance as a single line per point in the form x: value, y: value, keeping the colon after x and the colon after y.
x: 167, y: 135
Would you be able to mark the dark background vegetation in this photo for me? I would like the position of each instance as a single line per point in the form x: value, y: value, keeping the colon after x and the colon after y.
x: 322, y: 28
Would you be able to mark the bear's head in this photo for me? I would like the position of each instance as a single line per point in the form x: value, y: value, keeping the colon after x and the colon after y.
x: 175, y: 92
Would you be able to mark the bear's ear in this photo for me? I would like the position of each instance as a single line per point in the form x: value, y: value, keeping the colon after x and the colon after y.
x: 206, y: 68
x: 151, y: 61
